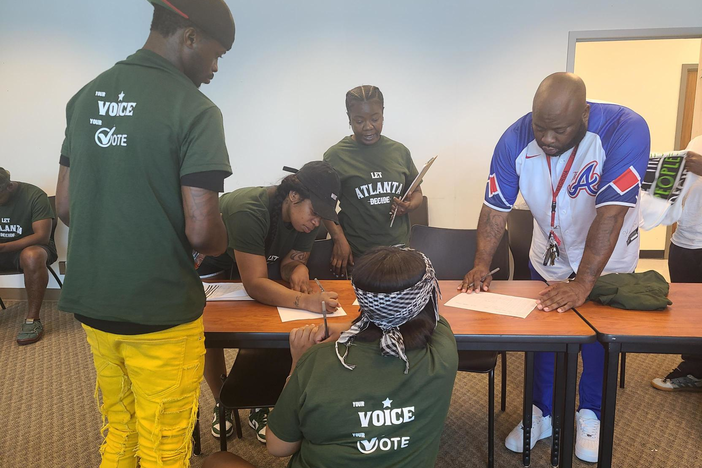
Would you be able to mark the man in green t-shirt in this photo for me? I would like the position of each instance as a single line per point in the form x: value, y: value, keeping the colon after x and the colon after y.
x: 142, y: 162
x: 26, y: 245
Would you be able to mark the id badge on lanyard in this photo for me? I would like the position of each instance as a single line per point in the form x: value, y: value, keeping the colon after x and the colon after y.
x: 553, y: 251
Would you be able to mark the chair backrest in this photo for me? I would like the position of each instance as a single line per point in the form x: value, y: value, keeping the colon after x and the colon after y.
x: 318, y: 263
x: 420, y: 215
x: 452, y: 251
x: 520, y: 225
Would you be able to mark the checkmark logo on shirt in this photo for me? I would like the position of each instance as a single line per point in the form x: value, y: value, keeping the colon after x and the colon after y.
x: 103, y: 136
x: 532, y: 156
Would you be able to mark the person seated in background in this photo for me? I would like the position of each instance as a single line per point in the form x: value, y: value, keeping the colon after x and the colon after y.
x: 685, y: 266
x: 26, y: 246
x: 382, y: 401
x: 375, y: 172
x: 267, y: 225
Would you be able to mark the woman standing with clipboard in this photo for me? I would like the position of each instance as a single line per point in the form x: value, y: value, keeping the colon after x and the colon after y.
x: 375, y: 173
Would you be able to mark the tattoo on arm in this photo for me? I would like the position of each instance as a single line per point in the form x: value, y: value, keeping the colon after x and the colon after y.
x: 297, y: 301
x: 491, y: 228
x: 298, y: 256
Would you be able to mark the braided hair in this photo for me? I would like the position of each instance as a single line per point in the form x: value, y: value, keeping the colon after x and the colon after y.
x: 362, y: 94
x: 290, y: 184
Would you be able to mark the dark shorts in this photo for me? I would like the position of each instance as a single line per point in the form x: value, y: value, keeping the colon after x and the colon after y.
x: 11, y: 261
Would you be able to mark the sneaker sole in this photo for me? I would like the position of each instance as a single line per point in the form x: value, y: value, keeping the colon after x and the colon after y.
x: 681, y: 389
x: 29, y: 341
x: 216, y: 436
x: 544, y: 435
x: 586, y: 458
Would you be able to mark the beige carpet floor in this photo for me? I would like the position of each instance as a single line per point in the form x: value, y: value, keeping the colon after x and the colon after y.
x: 48, y: 417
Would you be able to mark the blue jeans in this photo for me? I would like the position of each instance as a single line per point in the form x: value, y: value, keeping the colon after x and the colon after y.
x: 590, y: 390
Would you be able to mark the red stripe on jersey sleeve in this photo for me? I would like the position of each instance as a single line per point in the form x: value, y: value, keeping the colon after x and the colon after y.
x: 625, y: 182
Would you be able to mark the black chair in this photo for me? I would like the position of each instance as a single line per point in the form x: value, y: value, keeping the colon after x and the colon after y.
x: 318, y: 263
x: 520, y: 228
x: 54, y: 222
x: 452, y: 252
x: 256, y: 380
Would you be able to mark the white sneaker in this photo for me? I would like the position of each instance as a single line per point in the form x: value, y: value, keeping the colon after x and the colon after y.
x: 587, y: 438
x: 540, y: 429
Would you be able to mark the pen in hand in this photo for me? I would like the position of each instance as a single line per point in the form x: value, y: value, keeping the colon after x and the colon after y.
x: 324, y: 311
x: 485, y: 276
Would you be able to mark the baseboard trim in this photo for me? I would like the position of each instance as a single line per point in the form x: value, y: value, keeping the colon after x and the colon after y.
x: 652, y: 254
x: 20, y: 294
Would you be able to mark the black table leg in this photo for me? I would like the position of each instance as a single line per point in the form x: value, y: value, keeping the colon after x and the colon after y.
x: 528, y: 402
x: 558, y: 398
x: 609, y: 403
x: 569, y: 406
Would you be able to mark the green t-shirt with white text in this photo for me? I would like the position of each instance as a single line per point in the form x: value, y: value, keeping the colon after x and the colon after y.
x: 131, y: 134
x: 374, y: 415
x: 371, y: 175
x: 27, y: 205
x: 247, y: 217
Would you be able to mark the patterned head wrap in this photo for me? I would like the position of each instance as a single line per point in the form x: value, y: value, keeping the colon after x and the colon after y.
x: 390, y: 310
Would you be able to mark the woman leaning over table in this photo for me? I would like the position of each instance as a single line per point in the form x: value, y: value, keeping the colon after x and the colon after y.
x: 267, y: 225
x: 375, y: 172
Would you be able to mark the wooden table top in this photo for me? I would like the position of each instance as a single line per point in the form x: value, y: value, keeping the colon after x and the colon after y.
x: 250, y: 317
x: 683, y: 319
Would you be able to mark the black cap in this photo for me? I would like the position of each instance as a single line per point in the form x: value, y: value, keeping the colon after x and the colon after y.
x: 323, y: 184
x: 212, y: 16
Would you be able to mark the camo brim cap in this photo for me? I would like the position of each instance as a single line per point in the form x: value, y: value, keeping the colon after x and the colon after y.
x: 212, y: 16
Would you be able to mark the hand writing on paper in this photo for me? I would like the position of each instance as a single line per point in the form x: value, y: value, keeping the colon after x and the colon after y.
x: 474, y: 280
x: 562, y: 296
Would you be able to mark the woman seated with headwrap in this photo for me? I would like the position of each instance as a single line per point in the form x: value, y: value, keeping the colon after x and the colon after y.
x: 379, y: 394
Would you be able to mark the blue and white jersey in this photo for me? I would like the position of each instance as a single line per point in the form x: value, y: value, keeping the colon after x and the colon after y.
x: 607, y: 170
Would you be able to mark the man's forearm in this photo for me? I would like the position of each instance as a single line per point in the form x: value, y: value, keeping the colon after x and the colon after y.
x: 23, y: 243
x: 286, y: 270
x: 601, y: 240
x: 491, y: 229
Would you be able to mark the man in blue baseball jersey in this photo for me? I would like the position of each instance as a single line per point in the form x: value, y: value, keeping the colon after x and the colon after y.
x: 578, y: 165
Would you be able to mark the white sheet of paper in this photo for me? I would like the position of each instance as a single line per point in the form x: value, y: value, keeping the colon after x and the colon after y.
x: 226, y: 292
x: 494, y: 304
x: 288, y: 315
x: 355, y: 302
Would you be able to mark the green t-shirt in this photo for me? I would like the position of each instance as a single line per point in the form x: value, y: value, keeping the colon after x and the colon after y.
x: 246, y: 216
x: 131, y: 134
x: 27, y: 205
x: 371, y: 175
x: 374, y: 415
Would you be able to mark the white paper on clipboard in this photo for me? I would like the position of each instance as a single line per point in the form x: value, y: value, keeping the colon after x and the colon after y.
x: 415, y: 183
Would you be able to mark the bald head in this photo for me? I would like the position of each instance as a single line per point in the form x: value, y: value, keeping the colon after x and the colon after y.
x: 560, y: 113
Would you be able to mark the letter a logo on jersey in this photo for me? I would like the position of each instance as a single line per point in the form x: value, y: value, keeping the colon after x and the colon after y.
x: 587, y: 179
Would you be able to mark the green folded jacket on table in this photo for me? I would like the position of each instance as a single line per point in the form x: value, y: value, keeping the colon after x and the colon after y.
x: 633, y: 291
